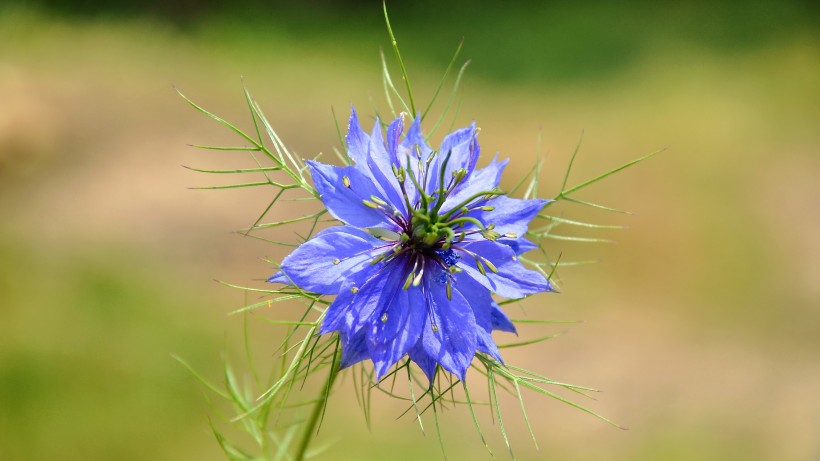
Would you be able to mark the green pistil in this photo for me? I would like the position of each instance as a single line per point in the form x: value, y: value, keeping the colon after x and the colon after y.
x: 450, y: 234
x: 427, y: 229
x: 424, y: 202
x: 466, y: 219
x: 442, y: 193
x: 458, y: 208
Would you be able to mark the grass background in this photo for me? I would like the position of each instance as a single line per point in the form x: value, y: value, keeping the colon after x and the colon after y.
x: 701, y: 324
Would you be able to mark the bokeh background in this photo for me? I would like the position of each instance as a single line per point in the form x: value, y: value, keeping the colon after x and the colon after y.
x: 701, y: 324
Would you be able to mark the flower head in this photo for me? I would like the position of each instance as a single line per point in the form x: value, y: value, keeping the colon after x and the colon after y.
x: 427, y: 240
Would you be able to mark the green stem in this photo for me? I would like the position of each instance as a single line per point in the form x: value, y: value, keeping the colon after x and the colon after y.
x: 310, y: 430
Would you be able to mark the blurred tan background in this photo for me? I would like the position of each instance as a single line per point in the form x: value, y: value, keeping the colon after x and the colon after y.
x: 701, y: 324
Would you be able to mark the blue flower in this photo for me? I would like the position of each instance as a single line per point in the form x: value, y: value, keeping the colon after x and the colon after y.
x: 427, y: 240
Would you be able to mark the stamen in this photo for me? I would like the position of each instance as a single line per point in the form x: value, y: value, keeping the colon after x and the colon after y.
x: 417, y: 280
x: 408, y: 281
x: 381, y: 257
x: 490, y: 265
x: 480, y: 266
x: 490, y: 235
x: 370, y: 204
x: 378, y: 200
x: 459, y: 175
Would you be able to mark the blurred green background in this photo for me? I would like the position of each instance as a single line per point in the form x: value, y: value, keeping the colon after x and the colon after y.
x: 701, y: 325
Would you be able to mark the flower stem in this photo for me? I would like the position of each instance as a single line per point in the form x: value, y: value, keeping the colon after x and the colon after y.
x: 311, y: 427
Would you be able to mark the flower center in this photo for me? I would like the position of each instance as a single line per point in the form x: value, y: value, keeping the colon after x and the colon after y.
x: 428, y: 231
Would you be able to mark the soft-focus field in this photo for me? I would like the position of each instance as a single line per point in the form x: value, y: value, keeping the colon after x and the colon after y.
x: 701, y: 324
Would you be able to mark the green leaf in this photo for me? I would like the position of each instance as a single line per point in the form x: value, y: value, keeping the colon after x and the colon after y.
x: 243, y: 170
x: 531, y: 341
x: 401, y: 62
x: 565, y: 192
x: 572, y: 222
x: 443, y: 79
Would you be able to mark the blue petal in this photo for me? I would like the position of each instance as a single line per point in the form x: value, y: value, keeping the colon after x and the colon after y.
x: 462, y: 148
x: 478, y: 297
x: 319, y: 264
x: 414, y: 138
x: 453, y: 340
x: 513, y: 280
x: 488, y: 315
x: 481, y: 180
x: 379, y: 166
x: 426, y: 362
x: 500, y: 321
x: 345, y: 203
x: 394, y: 131
x: 372, y: 159
x: 354, y: 349
x: 396, y: 329
x: 363, y: 295
x: 519, y: 246
x: 482, y: 304
x: 413, y: 151
x: 358, y: 143
x: 486, y: 344
x: 278, y: 277
x: 511, y: 214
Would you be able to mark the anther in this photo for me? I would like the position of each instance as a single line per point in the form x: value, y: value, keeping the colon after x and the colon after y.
x: 408, y: 281
x: 459, y: 174
x: 491, y: 265
x: 380, y: 258
x: 417, y: 280
x: 370, y: 204
x: 480, y: 267
x: 378, y: 200
x: 336, y: 261
x: 511, y: 235
x: 486, y: 208
x: 354, y: 290
x: 490, y: 235
x: 384, y: 317
x: 346, y: 181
